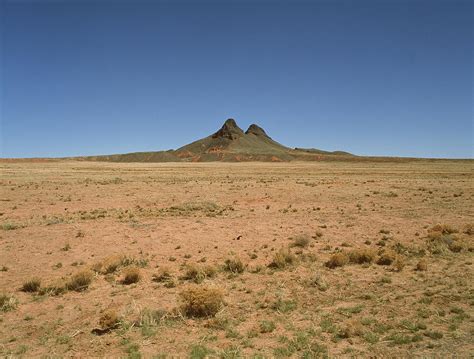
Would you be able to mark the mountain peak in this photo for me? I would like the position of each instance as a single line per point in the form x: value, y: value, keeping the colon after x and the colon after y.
x: 229, y: 130
x: 256, y: 130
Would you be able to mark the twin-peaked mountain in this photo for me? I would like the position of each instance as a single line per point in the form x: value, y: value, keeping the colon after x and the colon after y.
x: 230, y: 143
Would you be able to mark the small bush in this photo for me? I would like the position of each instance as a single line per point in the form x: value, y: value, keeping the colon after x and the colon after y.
x: 301, y: 241
x: 201, y: 301
x: 80, y: 281
x: 282, y: 259
x: 32, y: 285
x: 234, y: 265
x: 361, y: 256
x: 198, y: 273
x: 8, y: 302
x: 131, y: 275
x: 337, y: 260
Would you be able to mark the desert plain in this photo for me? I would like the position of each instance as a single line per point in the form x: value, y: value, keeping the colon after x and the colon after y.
x: 298, y: 259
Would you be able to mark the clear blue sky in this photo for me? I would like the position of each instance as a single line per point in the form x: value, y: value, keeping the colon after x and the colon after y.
x: 370, y: 77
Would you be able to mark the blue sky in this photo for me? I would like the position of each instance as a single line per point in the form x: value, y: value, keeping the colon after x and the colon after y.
x: 369, y: 77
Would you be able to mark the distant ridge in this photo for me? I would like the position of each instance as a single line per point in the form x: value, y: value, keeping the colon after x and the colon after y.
x: 229, y: 144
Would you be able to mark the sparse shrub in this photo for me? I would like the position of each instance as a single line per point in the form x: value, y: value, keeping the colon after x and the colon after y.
x: 131, y: 275
x: 283, y: 258
x: 234, y: 265
x: 361, y: 256
x: 8, y: 302
x: 338, y: 259
x: 201, y: 301
x: 32, y: 285
x: 198, y: 273
x: 301, y: 241
x: 422, y: 265
x: 80, y: 281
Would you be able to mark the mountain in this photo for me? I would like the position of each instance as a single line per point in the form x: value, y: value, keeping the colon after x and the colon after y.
x: 231, y: 144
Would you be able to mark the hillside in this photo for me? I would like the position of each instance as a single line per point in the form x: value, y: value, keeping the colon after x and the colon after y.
x: 229, y: 144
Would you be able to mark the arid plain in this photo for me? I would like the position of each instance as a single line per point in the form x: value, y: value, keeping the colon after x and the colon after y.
x: 237, y: 259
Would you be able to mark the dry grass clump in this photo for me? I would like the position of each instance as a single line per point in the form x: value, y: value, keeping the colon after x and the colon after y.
x: 8, y: 302
x: 53, y: 289
x: 443, y: 229
x: 201, y: 301
x: 109, y: 320
x: 113, y: 263
x: 399, y: 263
x: 31, y: 286
x: 282, y: 259
x: 301, y: 241
x: 163, y: 275
x: 386, y: 258
x: 338, y: 259
x: 80, y: 281
x: 361, y: 256
x: 350, y: 329
x: 469, y: 229
x: 422, y: 265
x: 197, y: 273
x: 131, y: 275
x: 234, y: 265
x: 440, y: 243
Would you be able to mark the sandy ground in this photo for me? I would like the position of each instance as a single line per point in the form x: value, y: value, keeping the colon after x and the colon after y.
x: 61, y: 218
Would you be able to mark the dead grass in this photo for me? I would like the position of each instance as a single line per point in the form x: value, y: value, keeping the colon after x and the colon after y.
x: 386, y: 257
x: 361, y: 256
x: 31, y: 286
x: 422, y: 265
x: 301, y: 241
x: 8, y: 302
x: 282, y: 259
x: 197, y: 273
x: 338, y: 259
x: 131, y: 275
x: 80, y: 281
x: 109, y: 320
x: 234, y: 265
x: 201, y: 301
x: 443, y: 229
